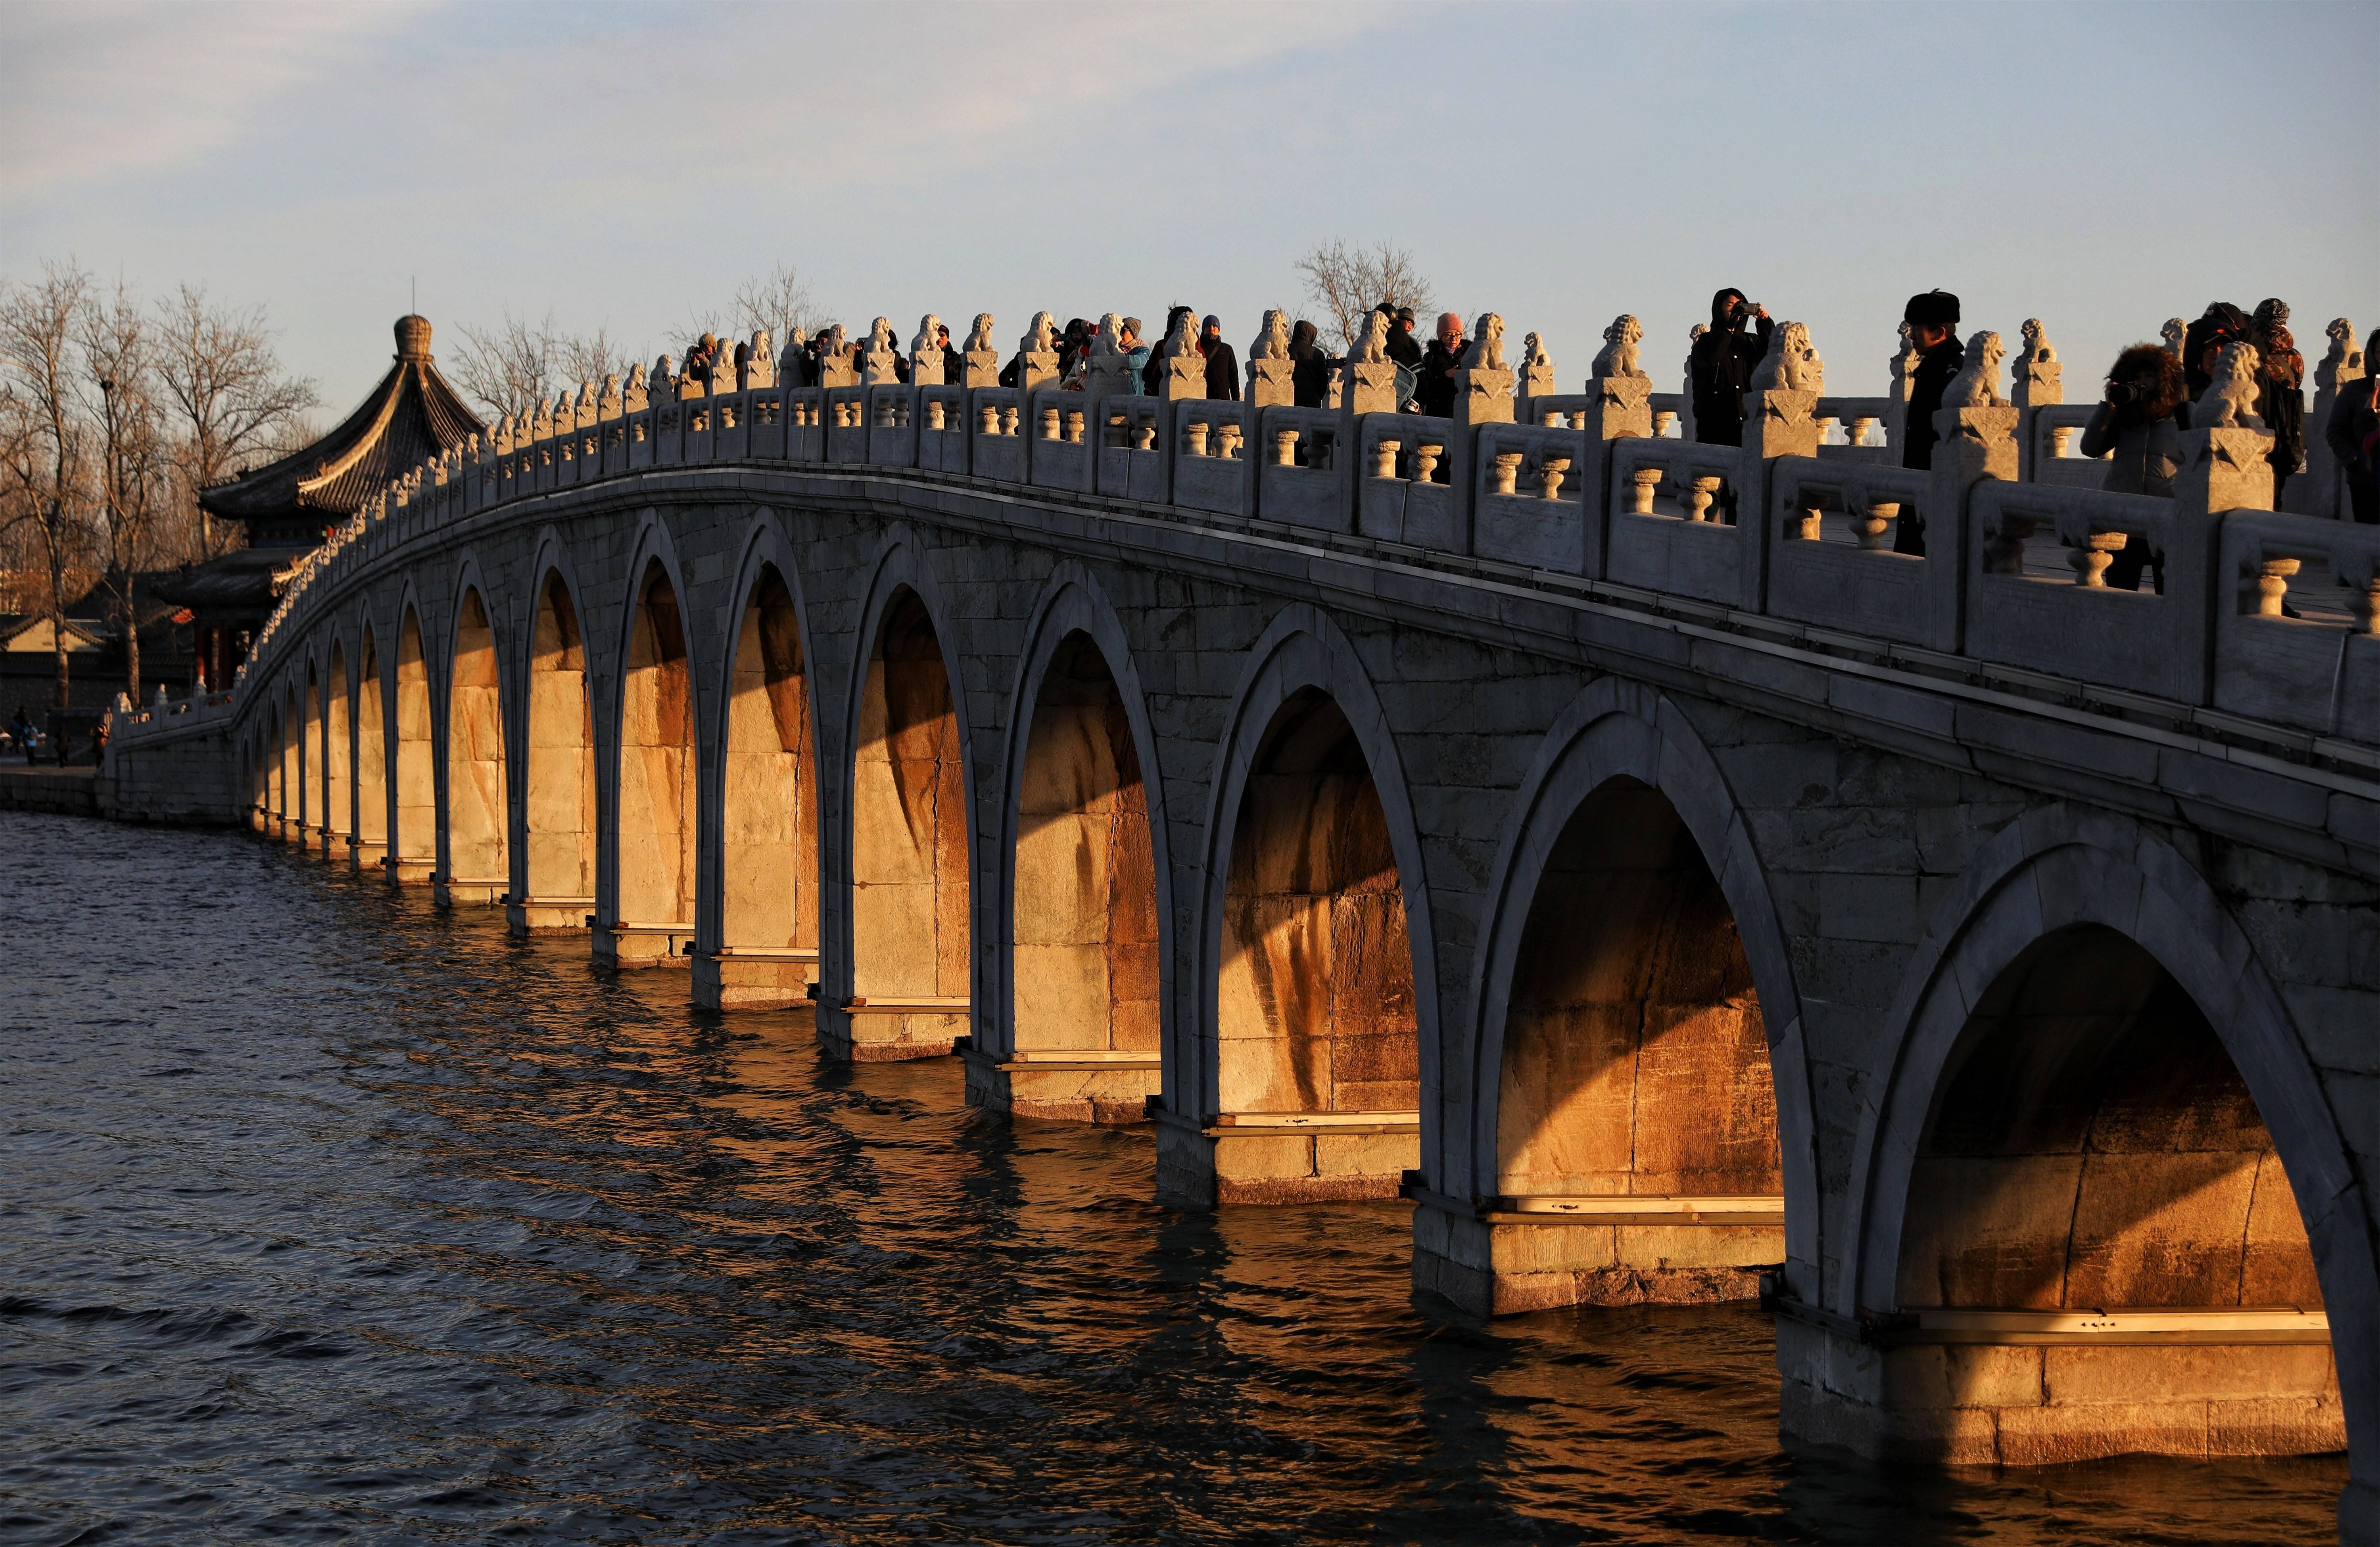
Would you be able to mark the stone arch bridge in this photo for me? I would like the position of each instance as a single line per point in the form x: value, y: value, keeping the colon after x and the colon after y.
x: 1601, y: 839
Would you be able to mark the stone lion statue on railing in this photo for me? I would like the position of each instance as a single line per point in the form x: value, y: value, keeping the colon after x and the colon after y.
x: 980, y: 336
x: 1618, y: 355
x: 1977, y: 385
x: 1272, y: 339
x: 2230, y: 401
x: 1790, y: 365
x: 1487, y: 348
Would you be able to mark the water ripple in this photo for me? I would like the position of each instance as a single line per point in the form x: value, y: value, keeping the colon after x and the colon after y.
x: 330, y: 1217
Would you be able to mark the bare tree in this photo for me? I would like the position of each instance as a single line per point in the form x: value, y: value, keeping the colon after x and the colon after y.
x: 507, y: 368
x: 47, y: 477
x: 133, y: 480
x: 1347, y: 282
x: 514, y: 367
x: 216, y: 367
x: 778, y: 300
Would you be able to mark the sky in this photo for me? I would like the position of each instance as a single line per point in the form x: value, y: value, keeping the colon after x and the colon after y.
x: 625, y: 165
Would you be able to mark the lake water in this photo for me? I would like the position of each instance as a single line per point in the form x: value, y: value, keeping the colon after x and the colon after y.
x: 326, y: 1216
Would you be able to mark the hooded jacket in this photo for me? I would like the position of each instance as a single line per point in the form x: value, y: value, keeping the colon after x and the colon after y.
x: 1222, y: 365
x: 1310, y: 373
x: 1721, y: 362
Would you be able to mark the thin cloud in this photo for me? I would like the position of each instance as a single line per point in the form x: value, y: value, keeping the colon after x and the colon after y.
x: 92, y: 93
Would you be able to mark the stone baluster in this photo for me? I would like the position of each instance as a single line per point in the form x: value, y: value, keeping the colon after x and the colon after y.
x: 1551, y: 470
x: 1284, y: 447
x: 1384, y: 458
x: 1008, y: 419
x: 1194, y: 438
x: 1227, y: 441
x: 2091, y: 556
x: 1643, y: 484
x: 2273, y: 578
x: 1873, y: 525
x: 1426, y: 459
x: 1506, y: 476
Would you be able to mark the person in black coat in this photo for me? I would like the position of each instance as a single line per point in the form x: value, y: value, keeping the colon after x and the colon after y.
x: 1933, y: 321
x: 1403, y: 347
x: 1309, y: 376
x: 1434, y: 386
x: 2219, y: 325
x: 1222, y: 361
x: 1721, y: 362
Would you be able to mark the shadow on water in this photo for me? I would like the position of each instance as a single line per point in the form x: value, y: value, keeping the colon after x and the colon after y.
x: 331, y: 1216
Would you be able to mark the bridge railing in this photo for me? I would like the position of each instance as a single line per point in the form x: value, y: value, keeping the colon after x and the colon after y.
x: 1807, y: 538
x: 1211, y: 466
x: 1831, y: 560
x: 2297, y: 624
x: 2077, y: 625
x: 1404, y: 488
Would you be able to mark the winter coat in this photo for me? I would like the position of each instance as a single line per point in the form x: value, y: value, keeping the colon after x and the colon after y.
x: 1435, y: 390
x: 1936, y: 369
x: 2146, y: 456
x: 2353, y: 436
x: 1310, y: 368
x: 1721, y: 362
x: 1222, y: 371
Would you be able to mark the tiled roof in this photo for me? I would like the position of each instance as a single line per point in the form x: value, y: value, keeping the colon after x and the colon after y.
x: 410, y: 416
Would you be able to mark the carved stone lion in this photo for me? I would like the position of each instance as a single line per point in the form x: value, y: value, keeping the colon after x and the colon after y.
x: 1789, y: 365
x: 2342, y: 347
x: 1618, y: 355
x: 2174, y: 331
x: 1373, y: 347
x: 2230, y: 401
x: 1183, y: 341
x: 1041, y: 337
x: 1272, y: 339
x: 1108, y: 342
x: 1977, y: 383
x: 980, y: 337
x: 2037, y: 349
x: 880, y: 337
x: 1486, y: 350
x: 927, y: 341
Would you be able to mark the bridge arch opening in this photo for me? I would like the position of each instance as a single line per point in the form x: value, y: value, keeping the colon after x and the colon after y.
x: 2101, y: 1253
x: 1636, y: 1144
x: 276, y: 773
x: 1084, y: 933
x: 478, y: 865
x: 911, y: 965
x: 559, y: 814
x: 658, y: 791
x: 338, y: 755
x: 1315, y: 1010
x: 769, y: 916
x: 413, y: 850
x: 371, y: 760
x: 292, y: 806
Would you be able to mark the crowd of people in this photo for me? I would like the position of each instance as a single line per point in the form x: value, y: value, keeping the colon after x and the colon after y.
x: 2144, y: 408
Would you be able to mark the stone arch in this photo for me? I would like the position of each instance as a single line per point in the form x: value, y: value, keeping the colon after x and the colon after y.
x: 561, y: 810
x: 338, y: 748
x: 1309, y: 816
x: 2070, y: 935
x: 766, y: 950
x: 906, y: 865
x: 371, y: 751
x: 413, y: 836
x: 1084, y: 886
x: 657, y: 816
x: 478, y: 850
x: 277, y: 784
x: 1625, y: 825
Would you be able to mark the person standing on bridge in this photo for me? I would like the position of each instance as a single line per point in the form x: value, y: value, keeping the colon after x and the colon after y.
x: 1309, y: 372
x: 1222, y: 361
x: 1721, y: 362
x: 2281, y: 397
x: 1932, y: 321
x: 2138, y: 426
x: 2353, y: 435
x: 1435, y: 389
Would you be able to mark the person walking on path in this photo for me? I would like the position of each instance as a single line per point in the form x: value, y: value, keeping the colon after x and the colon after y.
x: 1933, y: 319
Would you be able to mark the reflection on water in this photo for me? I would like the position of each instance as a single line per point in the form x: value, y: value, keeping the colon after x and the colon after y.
x: 328, y: 1215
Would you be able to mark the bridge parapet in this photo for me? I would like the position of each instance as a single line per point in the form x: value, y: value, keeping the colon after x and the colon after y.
x: 1584, y: 492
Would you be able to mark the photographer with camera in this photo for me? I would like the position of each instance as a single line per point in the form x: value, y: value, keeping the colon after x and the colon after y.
x: 2138, y: 425
x: 1721, y: 362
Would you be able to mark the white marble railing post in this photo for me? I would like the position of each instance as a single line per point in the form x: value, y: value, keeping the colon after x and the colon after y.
x: 2321, y: 490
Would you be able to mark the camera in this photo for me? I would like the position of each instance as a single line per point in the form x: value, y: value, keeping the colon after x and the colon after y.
x: 2121, y: 393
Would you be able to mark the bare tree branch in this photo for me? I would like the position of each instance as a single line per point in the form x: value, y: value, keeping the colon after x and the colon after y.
x: 216, y: 367
x: 1347, y: 282
x: 48, y: 477
x: 518, y: 364
x: 778, y: 300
